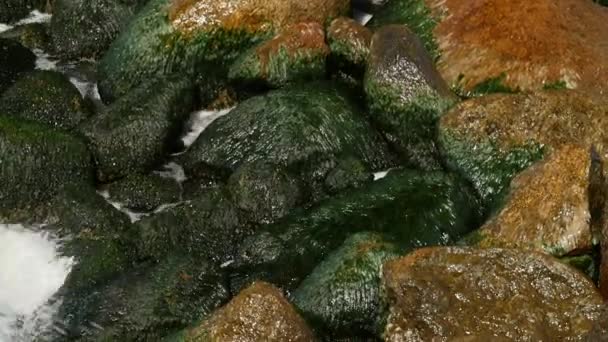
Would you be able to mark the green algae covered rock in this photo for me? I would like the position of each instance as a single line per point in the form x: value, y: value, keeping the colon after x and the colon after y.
x: 145, y: 192
x: 37, y: 161
x: 406, y: 94
x: 209, y: 227
x: 342, y: 294
x: 15, y: 59
x: 295, y: 127
x: 349, y: 43
x: 349, y: 173
x: 145, y: 303
x: 169, y: 36
x: 413, y: 208
x: 296, y: 54
x: 85, y: 28
x: 47, y: 97
x: 32, y: 36
x: 135, y: 133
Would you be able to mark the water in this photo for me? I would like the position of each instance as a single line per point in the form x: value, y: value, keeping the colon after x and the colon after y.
x: 32, y: 271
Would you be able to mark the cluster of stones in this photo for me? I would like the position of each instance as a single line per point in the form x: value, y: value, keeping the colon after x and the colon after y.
x: 491, y: 115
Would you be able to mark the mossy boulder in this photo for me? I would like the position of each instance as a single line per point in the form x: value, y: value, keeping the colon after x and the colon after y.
x: 145, y: 303
x: 486, y: 294
x: 15, y: 59
x: 349, y: 43
x: 141, y: 192
x: 85, y: 28
x: 47, y: 97
x: 490, y: 139
x: 296, y: 54
x: 136, y: 133
x: 13, y: 10
x: 37, y: 161
x: 264, y: 191
x: 554, y: 206
x: 342, y: 294
x: 406, y: 94
x: 349, y: 173
x: 209, y: 227
x: 296, y: 127
x: 169, y: 37
x: 413, y: 208
x: 258, y: 313
x: 32, y: 36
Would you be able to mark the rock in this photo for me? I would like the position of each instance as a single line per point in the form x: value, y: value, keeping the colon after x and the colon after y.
x: 14, y: 61
x: 491, y: 31
x: 37, y: 162
x: 406, y: 95
x: 135, y: 134
x: 349, y: 43
x: 208, y: 227
x: 342, y: 294
x: 47, y: 97
x: 491, y: 139
x: 85, y: 28
x: 145, y: 303
x: 297, y: 128
x: 13, y: 10
x: 414, y: 208
x: 451, y: 293
x: 599, y: 332
x: 258, y: 313
x: 145, y: 192
x: 551, y: 206
x: 349, y: 173
x: 264, y: 191
x: 296, y: 54
x: 169, y: 36
x: 32, y: 36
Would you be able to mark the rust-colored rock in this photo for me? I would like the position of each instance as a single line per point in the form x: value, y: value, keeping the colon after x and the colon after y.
x: 252, y: 15
x: 549, y: 206
x: 466, y: 294
x: 258, y: 313
x: 534, y: 43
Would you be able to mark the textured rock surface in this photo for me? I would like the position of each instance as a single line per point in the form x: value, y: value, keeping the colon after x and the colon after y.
x: 47, y: 97
x: 13, y: 10
x: 550, y: 205
x: 15, y: 59
x: 487, y: 294
x: 145, y: 192
x: 491, y: 139
x: 406, y: 94
x: 32, y: 36
x: 258, y: 313
x: 349, y: 42
x: 298, y: 53
x: 342, y: 294
x: 414, y: 208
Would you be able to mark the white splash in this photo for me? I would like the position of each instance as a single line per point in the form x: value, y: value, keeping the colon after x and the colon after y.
x: 5, y: 27
x: 201, y: 120
x: 35, y: 17
x: 31, y: 273
x: 44, y: 61
x: 86, y: 88
x: 173, y: 170
x: 381, y: 174
x: 133, y: 216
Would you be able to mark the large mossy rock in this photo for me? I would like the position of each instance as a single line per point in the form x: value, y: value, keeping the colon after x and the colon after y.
x: 406, y: 94
x: 169, y: 37
x: 296, y: 54
x: 86, y: 28
x: 454, y: 293
x: 15, y: 59
x: 342, y: 294
x: 47, y: 97
x: 136, y: 133
x: 258, y: 313
x: 36, y: 161
x: 145, y: 192
x: 299, y: 128
x: 32, y: 36
x: 145, y: 303
x: 13, y: 10
x: 555, y: 206
x: 412, y: 208
x: 491, y: 139
x: 209, y: 227
x: 518, y: 59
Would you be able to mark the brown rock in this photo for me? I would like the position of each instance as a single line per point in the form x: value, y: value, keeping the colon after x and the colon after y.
x: 252, y: 15
x: 465, y: 294
x: 258, y: 313
x: 534, y: 43
x: 549, y: 206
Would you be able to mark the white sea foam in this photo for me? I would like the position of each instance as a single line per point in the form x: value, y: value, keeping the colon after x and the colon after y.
x: 44, y: 61
x: 381, y: 174
x: 199, y: 121
x: 35, y: 17
x: 173, y: 170
x: 5, y: 27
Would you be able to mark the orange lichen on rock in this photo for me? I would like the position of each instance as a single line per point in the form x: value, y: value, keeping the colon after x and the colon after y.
x: 534, y: 43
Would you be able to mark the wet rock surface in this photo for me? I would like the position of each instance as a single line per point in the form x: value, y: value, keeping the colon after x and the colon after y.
x: 260, y: 312
x: 145, y: 192
x: 15, y: 59
x: 485, y: 294
x: 32, y: 36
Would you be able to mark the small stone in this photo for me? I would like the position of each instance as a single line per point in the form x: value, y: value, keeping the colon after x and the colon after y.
x: 349, y: 42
